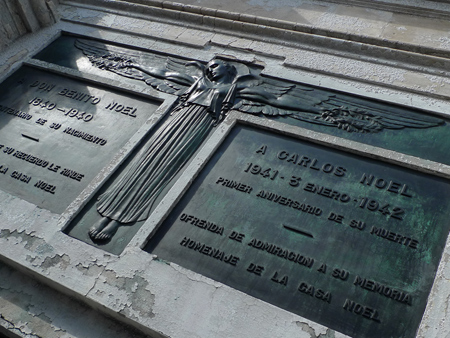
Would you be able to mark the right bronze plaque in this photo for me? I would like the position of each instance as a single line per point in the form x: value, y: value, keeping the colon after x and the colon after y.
x: 347, y: 241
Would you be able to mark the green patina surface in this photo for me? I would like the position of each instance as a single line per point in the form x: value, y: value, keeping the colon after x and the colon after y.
x: 347, y: 252
x: 429, y: 143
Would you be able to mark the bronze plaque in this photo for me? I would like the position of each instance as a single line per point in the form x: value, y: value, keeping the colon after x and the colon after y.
x: 349, y: 242
x: 381, y: 124
x: 57, y: 133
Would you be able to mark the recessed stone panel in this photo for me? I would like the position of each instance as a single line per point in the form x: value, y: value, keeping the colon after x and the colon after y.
x: 57, y: 133
x: 344, y: 240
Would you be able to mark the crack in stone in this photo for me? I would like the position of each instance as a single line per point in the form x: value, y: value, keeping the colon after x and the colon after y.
x: 11, y: 327
x: 201, y: 278
x: 94, y: 286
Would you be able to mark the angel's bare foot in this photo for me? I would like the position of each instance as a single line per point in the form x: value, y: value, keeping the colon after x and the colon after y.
x: 108, y: 231
x: 97, y: 227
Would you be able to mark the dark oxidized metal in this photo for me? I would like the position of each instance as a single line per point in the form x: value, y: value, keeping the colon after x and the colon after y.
x: 58, y: 133
x: 343, y: 240
x: 249, y: 92
x: 357, y: 113
x: 346, y: 241
x: 206, y: 94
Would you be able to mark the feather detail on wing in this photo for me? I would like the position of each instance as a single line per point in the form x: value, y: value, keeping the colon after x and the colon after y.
x: 253, y: 107
x: 132, y: 65
x: 110, y: 58
x: 353, y: 114
x: 363, y: 116
x: 258, y: 94
x: 96, y: 48
x: 165, y: 86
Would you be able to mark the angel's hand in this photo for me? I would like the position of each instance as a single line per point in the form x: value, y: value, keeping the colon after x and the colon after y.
x: 227, y: 106
x: 184, y: 97
x: 220, y: 116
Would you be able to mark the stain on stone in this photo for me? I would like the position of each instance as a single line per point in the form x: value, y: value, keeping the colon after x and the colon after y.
x: 31, y: 309
x: 43, y: 317
x: 140, y: 299
x: 90, y: 270
x: 156, y: 259
x: 312, y: 333
x: 30, y: 259
x: 33, y: 243
x: 5, y: 233
x: 62, y: 260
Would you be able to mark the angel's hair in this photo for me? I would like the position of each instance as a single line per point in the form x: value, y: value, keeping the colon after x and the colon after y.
x: 232, y: 71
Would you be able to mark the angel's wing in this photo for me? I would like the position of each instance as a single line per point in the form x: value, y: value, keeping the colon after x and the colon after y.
x: 133, y: 64
x: 359, y: 115
x: 276, y: 98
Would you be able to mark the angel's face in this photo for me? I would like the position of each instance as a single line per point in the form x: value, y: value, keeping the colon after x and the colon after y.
x: 216, y: 70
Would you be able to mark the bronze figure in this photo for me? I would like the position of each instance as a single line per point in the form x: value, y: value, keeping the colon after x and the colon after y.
x: 206, y: 94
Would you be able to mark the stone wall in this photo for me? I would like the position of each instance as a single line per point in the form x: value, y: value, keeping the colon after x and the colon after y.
x: 19, y: 17
x: 54, y: 285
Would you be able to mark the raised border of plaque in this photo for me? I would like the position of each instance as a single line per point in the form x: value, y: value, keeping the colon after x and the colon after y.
x: 59, y: 132
x: 243, y: 88
x: 350, y: 242
x: 368, y: 288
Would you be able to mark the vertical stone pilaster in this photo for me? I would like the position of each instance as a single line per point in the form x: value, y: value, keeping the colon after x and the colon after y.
x: 18, y: 17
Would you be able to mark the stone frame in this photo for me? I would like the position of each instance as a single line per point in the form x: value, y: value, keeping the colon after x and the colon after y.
x: 152, y: 294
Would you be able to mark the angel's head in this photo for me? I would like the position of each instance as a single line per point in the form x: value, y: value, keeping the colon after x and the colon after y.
x: 220, y: 71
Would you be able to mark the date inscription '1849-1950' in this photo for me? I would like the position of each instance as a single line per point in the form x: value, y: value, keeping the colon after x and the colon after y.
x: 349, y: 242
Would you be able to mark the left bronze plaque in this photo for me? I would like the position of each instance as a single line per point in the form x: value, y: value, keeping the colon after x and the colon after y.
x: 57, y: 133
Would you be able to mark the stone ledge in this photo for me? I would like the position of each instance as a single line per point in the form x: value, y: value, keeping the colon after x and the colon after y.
x: 272, y: 42
x: 285, y: 32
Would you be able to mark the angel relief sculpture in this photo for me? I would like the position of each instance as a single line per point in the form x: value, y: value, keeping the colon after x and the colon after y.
x: 206, y: 93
